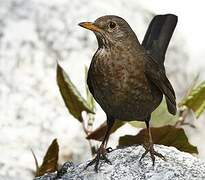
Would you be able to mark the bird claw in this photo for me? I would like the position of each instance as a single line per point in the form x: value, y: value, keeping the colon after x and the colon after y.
x: 100, y: 156
x: 153, y: 153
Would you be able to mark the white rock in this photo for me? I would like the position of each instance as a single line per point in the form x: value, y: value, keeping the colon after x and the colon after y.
x: 126, y: 166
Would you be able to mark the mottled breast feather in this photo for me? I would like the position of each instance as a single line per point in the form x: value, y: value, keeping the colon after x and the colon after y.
x: 119, y: 84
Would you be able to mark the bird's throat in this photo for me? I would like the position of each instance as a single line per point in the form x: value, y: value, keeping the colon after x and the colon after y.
x: 103, y: 42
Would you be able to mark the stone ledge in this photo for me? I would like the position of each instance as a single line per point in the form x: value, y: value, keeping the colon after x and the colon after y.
x: 126, y: 166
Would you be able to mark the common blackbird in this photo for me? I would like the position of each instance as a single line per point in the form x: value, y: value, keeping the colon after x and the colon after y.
x: 128, y: 79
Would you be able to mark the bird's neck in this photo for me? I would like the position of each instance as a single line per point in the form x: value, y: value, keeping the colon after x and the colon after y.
x: 131, y: 43
x: 124, y: 44
x: 102, y: 41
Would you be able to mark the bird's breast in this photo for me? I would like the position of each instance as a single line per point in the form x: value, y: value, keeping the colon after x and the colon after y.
x: 118, y: 78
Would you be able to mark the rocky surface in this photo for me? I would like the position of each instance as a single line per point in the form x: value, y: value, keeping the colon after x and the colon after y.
x: 126, y: 165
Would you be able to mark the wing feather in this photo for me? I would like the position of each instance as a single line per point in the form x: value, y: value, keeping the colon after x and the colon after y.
x: 158, y: 76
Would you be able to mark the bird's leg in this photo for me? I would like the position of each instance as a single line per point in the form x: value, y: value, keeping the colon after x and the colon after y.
x: 109, y: 149
x: 149, y: 147
x: 101, y: 153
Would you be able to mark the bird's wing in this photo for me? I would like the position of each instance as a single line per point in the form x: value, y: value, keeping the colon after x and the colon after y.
x: 157, y: 75
x: 158, y: 35
x: 90, y: 85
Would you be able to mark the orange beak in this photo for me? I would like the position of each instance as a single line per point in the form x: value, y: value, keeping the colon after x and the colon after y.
x: 89, y: 25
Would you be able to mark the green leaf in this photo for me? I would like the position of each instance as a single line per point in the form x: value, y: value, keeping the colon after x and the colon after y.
x: 166, y: 135
x: 90, y: 99
x: 160, y: 117
x: 196, y: 99
x: 50, y: 160
x: 74, y: 102
x: 99, y: 133
x: 137, y: 124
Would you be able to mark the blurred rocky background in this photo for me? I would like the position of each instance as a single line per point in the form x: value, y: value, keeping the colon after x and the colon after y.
x: 35, y: 34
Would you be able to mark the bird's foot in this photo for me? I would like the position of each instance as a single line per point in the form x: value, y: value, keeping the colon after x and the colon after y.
x: 149, y: 148
x: 101, y: 155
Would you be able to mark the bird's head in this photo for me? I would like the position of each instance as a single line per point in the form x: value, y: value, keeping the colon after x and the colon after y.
x: 110, y: 30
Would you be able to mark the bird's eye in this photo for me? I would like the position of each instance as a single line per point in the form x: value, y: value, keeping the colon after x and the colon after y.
x: 112, y: 25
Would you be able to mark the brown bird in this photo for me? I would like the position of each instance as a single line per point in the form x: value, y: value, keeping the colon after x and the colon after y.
x: 128, y: 79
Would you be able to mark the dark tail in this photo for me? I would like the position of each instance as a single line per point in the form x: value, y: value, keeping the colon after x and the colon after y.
x: 158, y: 35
